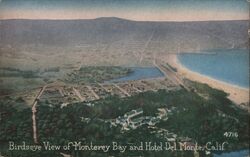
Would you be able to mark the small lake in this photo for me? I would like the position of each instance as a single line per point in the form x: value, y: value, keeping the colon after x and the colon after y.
x: 241, y: 153
x: 230, y: 66
x: 139, y: 73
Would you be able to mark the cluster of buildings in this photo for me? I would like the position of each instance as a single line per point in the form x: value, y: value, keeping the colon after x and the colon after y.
x: 67, y: 94
x: 134, y: 119
x: 163, y: 133
x: 59, y: 95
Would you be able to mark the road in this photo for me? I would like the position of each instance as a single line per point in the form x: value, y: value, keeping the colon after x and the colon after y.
x: 93, y: 92
x: 65, y: 155
x: 78, y: 94
x: 122, y: 90
x: 34, y: 110
x: 146, y: 46
x: 171, y: 75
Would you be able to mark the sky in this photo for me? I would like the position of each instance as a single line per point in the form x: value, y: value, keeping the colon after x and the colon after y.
x: 139, y: 10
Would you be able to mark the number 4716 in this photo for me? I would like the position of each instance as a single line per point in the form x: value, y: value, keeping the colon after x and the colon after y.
x: 230, y: 134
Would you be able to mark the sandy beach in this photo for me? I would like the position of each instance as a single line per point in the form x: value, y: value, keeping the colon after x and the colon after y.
x: 236, y: 94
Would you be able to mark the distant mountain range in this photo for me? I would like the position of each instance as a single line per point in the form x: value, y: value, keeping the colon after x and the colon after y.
x: 189, y: 35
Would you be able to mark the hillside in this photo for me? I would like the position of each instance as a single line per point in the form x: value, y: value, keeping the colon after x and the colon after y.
x: 206, y: 35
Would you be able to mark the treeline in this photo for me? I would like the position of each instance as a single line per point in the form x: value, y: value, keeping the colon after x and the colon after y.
x: 93, y: 74
x: 14, y: 72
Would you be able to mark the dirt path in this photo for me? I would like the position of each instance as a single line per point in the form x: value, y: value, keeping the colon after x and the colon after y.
x: 34, y: 110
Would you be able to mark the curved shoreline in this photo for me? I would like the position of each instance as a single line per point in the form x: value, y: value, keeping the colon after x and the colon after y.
x: 236, y: 94
x: 210, y: 77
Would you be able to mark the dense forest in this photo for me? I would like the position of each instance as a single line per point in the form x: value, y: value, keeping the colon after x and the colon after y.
x: 203, y: 115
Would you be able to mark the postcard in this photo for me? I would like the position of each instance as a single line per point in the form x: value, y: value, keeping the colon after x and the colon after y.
x: 124, y: 78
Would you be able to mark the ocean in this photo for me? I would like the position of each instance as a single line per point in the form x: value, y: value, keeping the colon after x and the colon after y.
x: 230, y: 66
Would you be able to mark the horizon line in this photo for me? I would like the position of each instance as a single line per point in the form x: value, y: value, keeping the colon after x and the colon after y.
x: 72, y: 19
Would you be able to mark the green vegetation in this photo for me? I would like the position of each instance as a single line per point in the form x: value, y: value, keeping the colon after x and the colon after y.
x: 52, y: 69
x: 92, y: 74
x: 14, y: 123
x: 17, y: 80
x: 204, y: 115
x: 13, y: 72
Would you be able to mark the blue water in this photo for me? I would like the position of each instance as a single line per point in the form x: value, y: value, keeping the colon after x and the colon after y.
x: 231, y: 66
x: 140, y: 73
x: 241, y: 153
